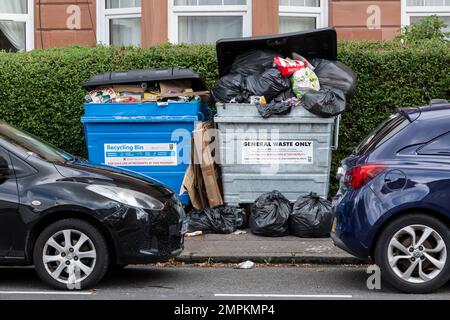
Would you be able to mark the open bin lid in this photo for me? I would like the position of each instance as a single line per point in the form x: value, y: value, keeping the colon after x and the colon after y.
x: 320, y: 43
x: 148, y: 75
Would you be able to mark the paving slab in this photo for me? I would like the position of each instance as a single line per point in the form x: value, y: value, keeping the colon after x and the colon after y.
x: 237, y: 248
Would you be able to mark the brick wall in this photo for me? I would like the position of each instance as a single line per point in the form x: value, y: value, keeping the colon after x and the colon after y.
x: 350, y: 17
x: 53, y: 31
x: 358, y: 19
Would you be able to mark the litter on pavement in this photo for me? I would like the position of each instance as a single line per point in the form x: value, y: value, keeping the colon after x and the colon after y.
x: 246, y: 265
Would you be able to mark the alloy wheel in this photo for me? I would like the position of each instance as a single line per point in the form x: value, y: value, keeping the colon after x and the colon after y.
x: 69, y: 256
x: 417, y: 254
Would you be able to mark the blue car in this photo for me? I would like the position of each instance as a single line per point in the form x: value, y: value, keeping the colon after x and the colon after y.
x: 393, y: 205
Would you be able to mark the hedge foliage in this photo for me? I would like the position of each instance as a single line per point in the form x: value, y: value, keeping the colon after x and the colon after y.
x: 41, y: 92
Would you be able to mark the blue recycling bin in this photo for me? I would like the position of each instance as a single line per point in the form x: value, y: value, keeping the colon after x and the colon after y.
x: 153, y: 139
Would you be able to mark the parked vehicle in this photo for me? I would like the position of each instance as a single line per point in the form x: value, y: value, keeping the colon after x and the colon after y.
x: 73, y: 219
x: 394, y: 203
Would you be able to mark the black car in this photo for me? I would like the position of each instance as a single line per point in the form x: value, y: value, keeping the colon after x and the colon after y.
x: 73, y: 219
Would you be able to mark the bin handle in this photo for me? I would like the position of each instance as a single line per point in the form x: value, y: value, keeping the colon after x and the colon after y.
x: 337, y: 123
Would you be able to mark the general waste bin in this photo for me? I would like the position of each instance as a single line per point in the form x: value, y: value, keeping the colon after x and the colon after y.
x: 291, y: 153
x: 153, y: 139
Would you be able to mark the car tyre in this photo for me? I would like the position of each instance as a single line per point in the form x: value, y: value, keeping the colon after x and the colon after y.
x: 429, y: 274
x: 80, y: 264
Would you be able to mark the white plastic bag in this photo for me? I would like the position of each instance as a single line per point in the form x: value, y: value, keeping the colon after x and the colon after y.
x: 303, y: 81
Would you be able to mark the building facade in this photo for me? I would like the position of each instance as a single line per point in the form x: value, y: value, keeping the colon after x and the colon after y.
x: 29, y: 24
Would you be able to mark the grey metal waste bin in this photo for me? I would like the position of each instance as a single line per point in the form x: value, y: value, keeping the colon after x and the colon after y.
x: 291, y: 153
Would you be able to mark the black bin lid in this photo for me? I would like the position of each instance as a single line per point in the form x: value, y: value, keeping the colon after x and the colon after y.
x: 147, y: 75
x: 320, y: 43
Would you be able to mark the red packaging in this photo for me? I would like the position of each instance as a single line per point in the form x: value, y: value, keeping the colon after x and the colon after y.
x: 288, y: 67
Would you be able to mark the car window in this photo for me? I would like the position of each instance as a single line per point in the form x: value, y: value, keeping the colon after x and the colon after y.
x: 32, y: 145
x: 438, y: 147
x: 389, y: 128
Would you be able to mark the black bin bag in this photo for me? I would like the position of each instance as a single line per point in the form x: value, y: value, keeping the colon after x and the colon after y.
x: 269, y: 84
x: 253, y: 62
x: 220, y: 220
x: 228, y: 88
x: 270, y: 215
x: 311, y: 217
x: 326, y: 103
x: 335, y: 74
x: 279, y: 106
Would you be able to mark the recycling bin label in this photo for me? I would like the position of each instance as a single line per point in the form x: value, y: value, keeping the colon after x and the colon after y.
x: 141, y: 154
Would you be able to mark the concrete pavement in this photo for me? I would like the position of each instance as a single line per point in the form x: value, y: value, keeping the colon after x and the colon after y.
x: 237, y: 248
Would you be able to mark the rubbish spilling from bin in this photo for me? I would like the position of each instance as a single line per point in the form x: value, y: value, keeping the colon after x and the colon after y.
x: 143, y: 120
x: 267, y: 71
x: 292, y: 89
x: 138, y: 86
x: 289, y: 84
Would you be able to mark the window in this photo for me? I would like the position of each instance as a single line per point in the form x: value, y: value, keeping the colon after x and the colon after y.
x: 382, y: 133
x: 414, y: 10
x: 16, y: 25
x: 438, y: 147
x: 302, y: 15
x: 206, y: 21
x: 119, y: 22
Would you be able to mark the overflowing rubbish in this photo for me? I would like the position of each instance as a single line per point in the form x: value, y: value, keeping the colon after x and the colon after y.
x: 279, y: 106
x: 253, y: 62
x: 268, y: 84
x: 229, y: 88
x: 246, y: 265
x: 288, y: 67
x: 326, y: 103
x: 303, y: 81
x: 270, y: 215
x: 221, y: 220
x: 137, y: 104
x: 101, y: 95
x: 336, y: 75
x: 311, y: 217
x: 317, y: 84
x: 176, y: 90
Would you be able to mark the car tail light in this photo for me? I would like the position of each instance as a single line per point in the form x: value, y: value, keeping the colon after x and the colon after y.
x: 359, y: 176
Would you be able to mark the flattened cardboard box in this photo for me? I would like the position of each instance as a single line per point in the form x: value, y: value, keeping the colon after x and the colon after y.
x: 199, y: 183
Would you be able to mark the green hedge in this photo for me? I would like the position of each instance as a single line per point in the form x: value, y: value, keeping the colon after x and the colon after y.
x: 41, y: 92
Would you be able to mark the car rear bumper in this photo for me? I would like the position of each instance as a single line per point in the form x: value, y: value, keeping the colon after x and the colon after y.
x: 356, y: 215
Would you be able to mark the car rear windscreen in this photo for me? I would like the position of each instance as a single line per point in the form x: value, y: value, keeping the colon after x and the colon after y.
x: 389, y: 128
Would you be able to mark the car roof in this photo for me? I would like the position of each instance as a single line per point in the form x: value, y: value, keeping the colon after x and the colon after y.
x: 434, y: 110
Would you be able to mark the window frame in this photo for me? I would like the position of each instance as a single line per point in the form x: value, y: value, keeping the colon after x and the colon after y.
x: 28, y: 18
x: 419, y: 11
x: 209, y: 11
x: 422, y: 151
x: 320, y: 13
x: 104, y: 17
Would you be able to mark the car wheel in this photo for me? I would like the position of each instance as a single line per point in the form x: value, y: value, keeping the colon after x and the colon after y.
x: 71, y: 254
x: 412, y: 253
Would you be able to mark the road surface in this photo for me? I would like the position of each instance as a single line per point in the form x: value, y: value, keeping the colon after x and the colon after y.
x: 191, y: 282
